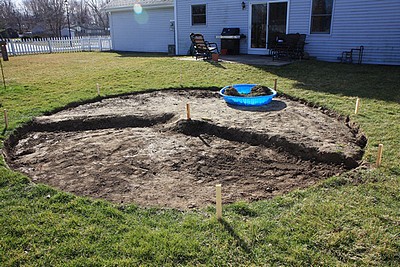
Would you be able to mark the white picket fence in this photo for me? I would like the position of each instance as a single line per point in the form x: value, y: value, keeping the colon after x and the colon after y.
x: 17, y: 47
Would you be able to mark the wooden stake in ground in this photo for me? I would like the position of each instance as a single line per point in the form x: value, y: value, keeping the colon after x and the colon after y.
x: 379, y: 157
x: 218, y: 201
x: 5, y: 118
x: 275, y: 83
x: 98, y: 89
x: 2, y: 74
x: 357, y: 105
x: 188, y: 111
x: 180, y: 77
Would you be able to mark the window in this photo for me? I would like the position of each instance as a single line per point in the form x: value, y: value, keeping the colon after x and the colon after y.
x: 321, y: 16
x: 198, y: 14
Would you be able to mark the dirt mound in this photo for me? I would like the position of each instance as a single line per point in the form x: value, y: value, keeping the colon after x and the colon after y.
x: 141, y: 149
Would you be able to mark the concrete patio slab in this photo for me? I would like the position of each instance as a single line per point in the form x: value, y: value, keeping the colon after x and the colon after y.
x: 257, y: 60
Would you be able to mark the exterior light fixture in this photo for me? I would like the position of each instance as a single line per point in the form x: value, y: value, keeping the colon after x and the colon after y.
x: 243, y: 5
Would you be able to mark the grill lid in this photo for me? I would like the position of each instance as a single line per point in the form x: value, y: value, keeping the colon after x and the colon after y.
x: 230, y: 31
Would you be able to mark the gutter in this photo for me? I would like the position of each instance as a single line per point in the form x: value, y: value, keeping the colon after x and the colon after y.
x: 130, y: 7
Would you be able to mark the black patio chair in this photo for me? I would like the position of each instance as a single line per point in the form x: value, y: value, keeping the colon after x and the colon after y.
x: 347, y: 56
x: 278, y: 47
x: 298, y: 51
x: 202, y: 48
x: 290, y: 46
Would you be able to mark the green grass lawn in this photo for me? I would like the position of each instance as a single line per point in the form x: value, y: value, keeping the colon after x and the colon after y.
x: 353, y: 219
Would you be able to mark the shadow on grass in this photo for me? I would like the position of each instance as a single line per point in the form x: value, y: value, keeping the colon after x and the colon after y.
x: 215, y: 64
x: 366, y: 81
x: 240, y: 241
x: 138, y: 54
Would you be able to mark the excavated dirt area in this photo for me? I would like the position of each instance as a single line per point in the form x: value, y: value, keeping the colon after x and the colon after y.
x: 141, y: 149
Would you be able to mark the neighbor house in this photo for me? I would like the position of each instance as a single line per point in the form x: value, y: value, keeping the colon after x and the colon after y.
x: 331, y: 26
x: 67, y: 32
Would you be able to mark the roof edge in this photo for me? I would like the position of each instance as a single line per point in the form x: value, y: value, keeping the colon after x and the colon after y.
x: 130, y: 6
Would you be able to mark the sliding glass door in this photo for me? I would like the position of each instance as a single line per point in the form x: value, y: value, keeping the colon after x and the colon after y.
x: 266, y: 20
x: 258, y: 27
x: 277, y: 20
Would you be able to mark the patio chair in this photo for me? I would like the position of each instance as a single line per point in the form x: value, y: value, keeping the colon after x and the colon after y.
x: 347, y: 56
x: 278, y: 47
x: 202, y: 48
x: 285, y: 46
x: 298, y: 52
x: 290, y: 46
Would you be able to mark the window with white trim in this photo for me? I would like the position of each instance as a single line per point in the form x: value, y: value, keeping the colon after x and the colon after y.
x: 198, y: 14
x: 321, y: 16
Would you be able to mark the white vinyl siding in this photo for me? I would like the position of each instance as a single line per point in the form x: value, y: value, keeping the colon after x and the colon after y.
x: 146, y: 32
x: 299, y: 16
x: 370, y: 23
x: 220, y: 14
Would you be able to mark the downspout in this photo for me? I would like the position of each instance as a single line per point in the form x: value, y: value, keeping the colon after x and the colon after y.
x: 176, y: 27
x: 110, y: 24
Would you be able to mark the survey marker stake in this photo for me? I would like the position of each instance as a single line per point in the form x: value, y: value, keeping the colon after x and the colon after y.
x: 218, y: 201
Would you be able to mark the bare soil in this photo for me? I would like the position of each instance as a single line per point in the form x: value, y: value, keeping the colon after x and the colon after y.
x: 142, y: 149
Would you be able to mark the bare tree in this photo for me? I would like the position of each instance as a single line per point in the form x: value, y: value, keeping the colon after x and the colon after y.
x: 50, y: 13
x: 99, y: 16
x: 10, y: 15
x: 80, y: 13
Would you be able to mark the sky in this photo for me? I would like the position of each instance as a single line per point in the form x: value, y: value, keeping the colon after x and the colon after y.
x: 18, y: 2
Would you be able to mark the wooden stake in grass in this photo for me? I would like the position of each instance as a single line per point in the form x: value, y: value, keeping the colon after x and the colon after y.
x: 188, y: 111
x: 98, y: 89
x: 379, y: 157
x: 357, y: 105
x: 180, y: 76
x: 275, y: 84
x: 5, y: 118
x: 2, y: 74
x: 218, y: 201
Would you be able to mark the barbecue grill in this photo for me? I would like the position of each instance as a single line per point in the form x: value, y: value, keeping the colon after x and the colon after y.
x: 230, y: 40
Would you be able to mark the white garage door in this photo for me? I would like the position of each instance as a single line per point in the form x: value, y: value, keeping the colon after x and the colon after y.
x: 148, y: 31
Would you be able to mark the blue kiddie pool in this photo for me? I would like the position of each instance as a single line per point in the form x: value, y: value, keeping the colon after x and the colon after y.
x: 246, y: 101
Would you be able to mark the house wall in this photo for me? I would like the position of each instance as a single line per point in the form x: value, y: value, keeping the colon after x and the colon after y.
x: 65, y: 32
x: 220, y: 14
x: 146, y: 32
x: 371, y: 23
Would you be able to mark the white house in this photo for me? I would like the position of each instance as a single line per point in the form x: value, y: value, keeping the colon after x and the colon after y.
x: 331, y: 26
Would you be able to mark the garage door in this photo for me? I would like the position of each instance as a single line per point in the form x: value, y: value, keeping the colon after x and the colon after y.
x: 148, y: 31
